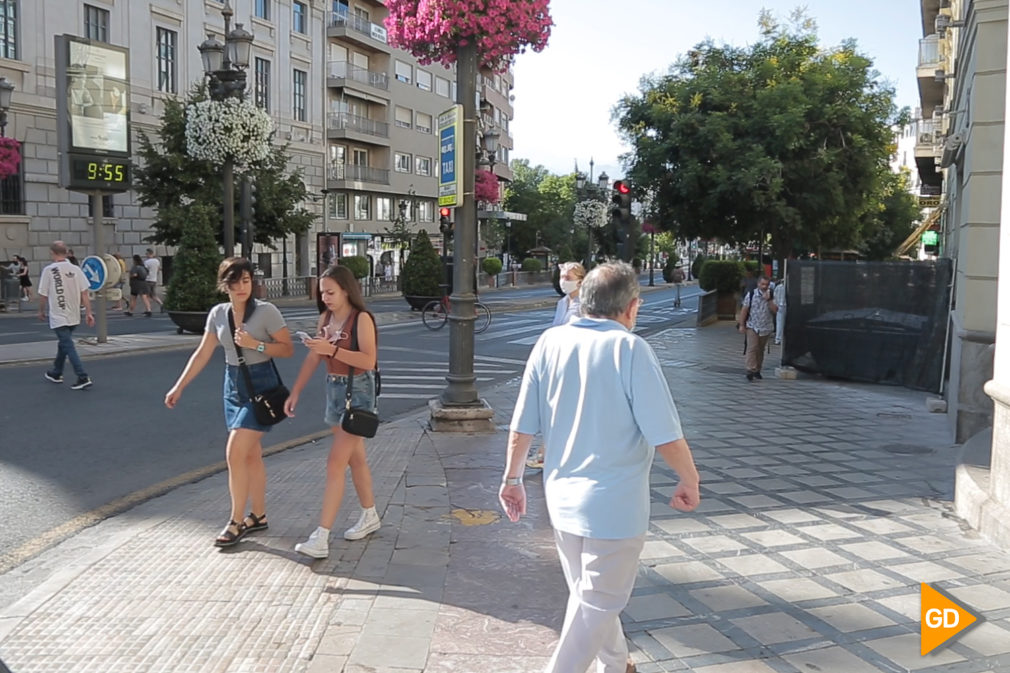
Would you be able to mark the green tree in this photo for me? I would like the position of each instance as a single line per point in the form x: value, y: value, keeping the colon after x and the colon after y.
x: 169, y: 177
x: 193, y: 286
x: 422, y: 272
x: 889, y: 223
x: 782, y: 138
x: 548, y: 201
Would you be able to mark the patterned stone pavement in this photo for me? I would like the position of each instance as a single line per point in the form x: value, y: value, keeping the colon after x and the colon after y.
x: 824, y: 506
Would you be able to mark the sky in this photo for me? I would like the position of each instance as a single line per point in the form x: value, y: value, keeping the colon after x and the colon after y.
x: 598, y: 51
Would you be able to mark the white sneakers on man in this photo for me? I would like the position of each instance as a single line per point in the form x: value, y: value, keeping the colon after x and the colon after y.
x: 367, y: 524
x: 318, y: 544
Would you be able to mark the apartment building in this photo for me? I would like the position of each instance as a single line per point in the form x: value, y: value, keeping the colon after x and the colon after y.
x: 357, y: 115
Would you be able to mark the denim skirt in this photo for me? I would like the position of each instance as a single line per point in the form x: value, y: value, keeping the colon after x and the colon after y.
x: 362, y: 396
x: 238, y: 411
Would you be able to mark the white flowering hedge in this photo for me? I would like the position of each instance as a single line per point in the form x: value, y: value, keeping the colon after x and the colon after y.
x: 590, y: 213
x: 230, y: 129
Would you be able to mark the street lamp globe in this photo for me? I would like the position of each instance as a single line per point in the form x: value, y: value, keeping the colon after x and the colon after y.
x: 6, y: 90
x: 604, y: 181
x: 580, y: 180
x: 491, y: 142
x: 239, y: 45
x: 212, y: 53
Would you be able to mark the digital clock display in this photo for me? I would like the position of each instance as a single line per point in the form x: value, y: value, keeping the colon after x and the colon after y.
x: 99, y: 173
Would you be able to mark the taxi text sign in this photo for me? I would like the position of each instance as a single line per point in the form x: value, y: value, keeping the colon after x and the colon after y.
x: 450, y: 176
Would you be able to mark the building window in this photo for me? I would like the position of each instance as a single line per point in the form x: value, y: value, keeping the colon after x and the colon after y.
x: 262, y: 95
x: 338, y: 154
x: 424, y: 80
x: 299, y: 83
x: 338, y: 206
x: 403, y: 162
x: 167, y: 41
x: 299, y: 17
x: 422, y: 122
x: 360, y: 157
x: 424, y: 165
x: 263, y: 9
x: 12, y: 193
x: 106, y: 206
x: 442, y: 86
x: 9, y: 29
x: 383, y: 208
x: 403, y: 72
x: 403, y: 117
x: 96, y: 23
x: 426, y: 211
x: 362, y: 206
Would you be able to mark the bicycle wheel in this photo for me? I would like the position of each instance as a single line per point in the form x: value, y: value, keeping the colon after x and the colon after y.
x: 434, y: 316
x: 483, y: 320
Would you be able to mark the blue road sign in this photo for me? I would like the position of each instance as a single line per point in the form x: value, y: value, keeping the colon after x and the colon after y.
x: 95, y: 271
x: 450, y: 178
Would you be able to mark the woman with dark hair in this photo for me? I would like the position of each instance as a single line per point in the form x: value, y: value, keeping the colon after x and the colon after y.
x: 23, y: 278
x: 260, y: 332
x: 346, y: 341
x: 138, y: 287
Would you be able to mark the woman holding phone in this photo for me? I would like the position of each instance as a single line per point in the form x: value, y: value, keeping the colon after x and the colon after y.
x: 346, y: 342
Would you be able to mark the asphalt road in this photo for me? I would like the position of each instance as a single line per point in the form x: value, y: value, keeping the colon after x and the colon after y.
x: 64, y: 453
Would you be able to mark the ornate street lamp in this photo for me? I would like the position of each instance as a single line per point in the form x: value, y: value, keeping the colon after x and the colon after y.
x: 225, y: 67
x: 6, y: 91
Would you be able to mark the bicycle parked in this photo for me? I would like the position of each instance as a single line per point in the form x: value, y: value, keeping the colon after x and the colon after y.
x: 436, y: 313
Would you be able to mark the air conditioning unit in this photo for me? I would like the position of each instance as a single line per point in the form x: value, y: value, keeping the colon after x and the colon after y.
x: 951, y: 149
x: 937, y: 111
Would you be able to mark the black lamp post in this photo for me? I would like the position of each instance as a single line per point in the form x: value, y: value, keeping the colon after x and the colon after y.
x: 6, y: 91
x: 225, y: 67
x: 587, y: 190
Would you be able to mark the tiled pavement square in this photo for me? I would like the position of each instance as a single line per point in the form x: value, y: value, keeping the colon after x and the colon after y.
x: 829, y: 660
x: 776, y: 627
x: 795, y: 590
x: 752, y: 564
x: 693, y: 639
x: 904, y: 651
x: 849, y: 617
x: 729, y: 597
x: 874, y: 551
x: 647, y: 607
x: 814, y: 558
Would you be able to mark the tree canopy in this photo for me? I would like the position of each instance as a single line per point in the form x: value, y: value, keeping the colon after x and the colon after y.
x: 548, y: 200
x: 169, y: 177
x: 782, y: 138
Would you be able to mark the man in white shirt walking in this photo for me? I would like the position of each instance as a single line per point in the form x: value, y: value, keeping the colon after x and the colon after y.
x: 153, y: 266
x: 597, y: 393
x: 63, y: 289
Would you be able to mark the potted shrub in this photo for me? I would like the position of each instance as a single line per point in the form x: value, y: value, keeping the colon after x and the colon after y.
x: 192, y: 290
x: 492, y: 267
x: 532, y: 265
x: 422, y: 273
x: 724, y: 277
x: 358, y: 265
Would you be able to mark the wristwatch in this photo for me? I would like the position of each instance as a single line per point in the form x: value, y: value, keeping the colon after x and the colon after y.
x: 512, y: 481
x: 262, y: 347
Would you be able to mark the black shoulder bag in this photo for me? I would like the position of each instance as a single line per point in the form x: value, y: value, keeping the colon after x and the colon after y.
x: 357, y: 421
x: 268, y: 407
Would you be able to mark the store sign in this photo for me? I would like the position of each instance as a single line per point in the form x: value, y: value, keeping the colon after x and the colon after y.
x: 450, y: 179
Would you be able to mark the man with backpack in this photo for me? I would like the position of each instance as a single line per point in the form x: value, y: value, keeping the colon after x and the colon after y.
x: 757, y: 322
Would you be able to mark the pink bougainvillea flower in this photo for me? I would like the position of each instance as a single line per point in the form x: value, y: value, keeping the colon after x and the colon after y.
x: 10, y: 157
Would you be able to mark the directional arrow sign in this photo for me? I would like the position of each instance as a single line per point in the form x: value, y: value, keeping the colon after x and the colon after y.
x: 95, y: 271
x: 942, y: 619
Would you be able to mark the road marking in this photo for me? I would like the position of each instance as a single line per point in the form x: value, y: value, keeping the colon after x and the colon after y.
x: 50, y: 538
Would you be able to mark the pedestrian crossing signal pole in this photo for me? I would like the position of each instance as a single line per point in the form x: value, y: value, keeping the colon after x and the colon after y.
x: 620, y: 215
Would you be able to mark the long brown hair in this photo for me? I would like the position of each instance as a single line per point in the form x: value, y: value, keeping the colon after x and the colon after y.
x: 343, y: 277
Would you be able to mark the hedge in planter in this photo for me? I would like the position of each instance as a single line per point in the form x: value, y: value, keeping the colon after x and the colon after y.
x: 193, y: 286
x: 532, y: 264
x: 721, y: 275
x: 422, y: 272
x: 357, y: 264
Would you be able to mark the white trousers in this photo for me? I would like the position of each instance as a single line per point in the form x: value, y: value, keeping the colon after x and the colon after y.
x: 780, y: 323
x: 600, y: 576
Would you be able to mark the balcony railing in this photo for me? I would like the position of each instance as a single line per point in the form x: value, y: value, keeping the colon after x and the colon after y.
x: 929, y: 51
x: 359, y: 25
x: 359, y: 173
x: 345, y: 70
x: 349, y: 122
x: 926, y: 132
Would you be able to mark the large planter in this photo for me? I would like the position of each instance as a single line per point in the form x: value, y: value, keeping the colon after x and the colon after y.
x: 728, y: 306
x: 189, y: 321
x: 418, y: 302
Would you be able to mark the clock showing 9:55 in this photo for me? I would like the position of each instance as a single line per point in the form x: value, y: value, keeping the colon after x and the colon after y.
x: 98, y: 172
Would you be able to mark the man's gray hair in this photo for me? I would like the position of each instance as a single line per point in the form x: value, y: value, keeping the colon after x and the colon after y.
x: 58, y: 248
x: 608, y: 289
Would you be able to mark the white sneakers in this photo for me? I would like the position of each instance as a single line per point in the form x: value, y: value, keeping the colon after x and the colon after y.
x: 367, y: 524
x: 318, y: 544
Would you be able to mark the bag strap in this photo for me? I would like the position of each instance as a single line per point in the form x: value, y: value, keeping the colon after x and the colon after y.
x: 354, y: 347
x: 250, y: 307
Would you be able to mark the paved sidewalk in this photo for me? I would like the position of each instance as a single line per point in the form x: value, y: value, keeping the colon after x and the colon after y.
x: 805, y: 556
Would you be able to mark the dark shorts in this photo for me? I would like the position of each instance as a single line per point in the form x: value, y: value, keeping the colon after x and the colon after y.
x: 362, y: 396
x: 238, y: 411
x: 25, y: 281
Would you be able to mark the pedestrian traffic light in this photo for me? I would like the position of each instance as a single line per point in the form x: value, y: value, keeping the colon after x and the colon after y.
x: 445, y: 224
x: 931, y: 242
x: 620, y: 216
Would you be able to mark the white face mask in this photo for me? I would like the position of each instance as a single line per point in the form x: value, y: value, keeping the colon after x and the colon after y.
x: 569, y: 286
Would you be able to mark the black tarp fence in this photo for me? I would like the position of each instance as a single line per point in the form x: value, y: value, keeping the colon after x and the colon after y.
x: 879, y: 322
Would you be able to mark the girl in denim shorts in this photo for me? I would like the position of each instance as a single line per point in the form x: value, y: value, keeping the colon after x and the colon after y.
x: 344, y: 356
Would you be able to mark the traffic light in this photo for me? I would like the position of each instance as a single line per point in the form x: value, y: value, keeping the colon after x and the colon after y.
x: 931, y: 242
x: 445, y: 222
x: 620, y: 216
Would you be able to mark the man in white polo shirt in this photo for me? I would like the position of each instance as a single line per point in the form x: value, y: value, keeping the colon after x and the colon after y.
x: 596, y: 392
x: 63, y: 289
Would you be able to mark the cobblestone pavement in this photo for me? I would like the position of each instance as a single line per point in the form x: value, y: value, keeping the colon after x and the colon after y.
x: 824, y: 506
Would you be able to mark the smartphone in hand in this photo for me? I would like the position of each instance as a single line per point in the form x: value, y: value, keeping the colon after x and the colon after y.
x: 302, y: 336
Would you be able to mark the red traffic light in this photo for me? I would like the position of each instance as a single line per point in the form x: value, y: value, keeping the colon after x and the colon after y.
x: 622, y: 187
x: 444, y: 212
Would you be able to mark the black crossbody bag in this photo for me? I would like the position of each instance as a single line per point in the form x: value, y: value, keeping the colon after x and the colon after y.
x: 357, y: 421
x: 268, y: 407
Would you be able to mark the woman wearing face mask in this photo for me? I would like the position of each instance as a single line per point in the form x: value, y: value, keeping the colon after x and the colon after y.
x: 569, y: 307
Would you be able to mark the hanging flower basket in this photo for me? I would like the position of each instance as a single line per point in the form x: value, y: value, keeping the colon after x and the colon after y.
x: 230, y: 129
x: 10, y: 157
x: 432, y: 30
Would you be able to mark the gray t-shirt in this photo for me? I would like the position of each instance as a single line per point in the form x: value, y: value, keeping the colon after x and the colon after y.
x: 265, y: 320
